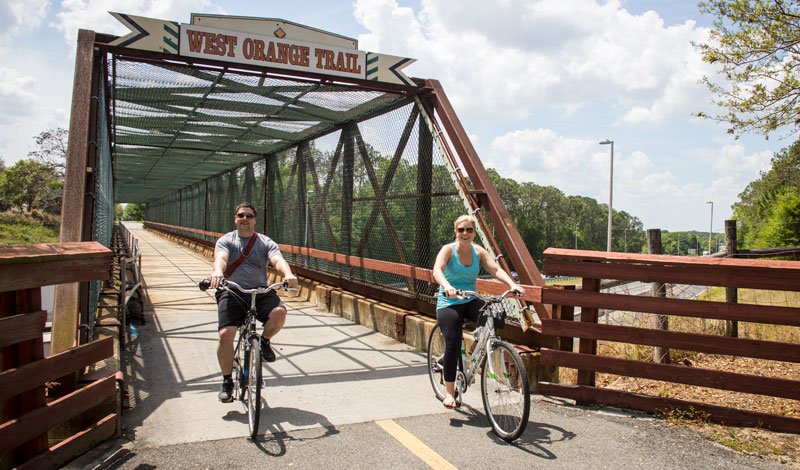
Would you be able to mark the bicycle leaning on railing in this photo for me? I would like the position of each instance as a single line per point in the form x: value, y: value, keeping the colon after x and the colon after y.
x: 247, y: 372
x: 504, y: 380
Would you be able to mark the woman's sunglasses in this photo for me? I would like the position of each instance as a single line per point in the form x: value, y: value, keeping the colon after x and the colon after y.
x: 242, y: 215
x: 465, y: 229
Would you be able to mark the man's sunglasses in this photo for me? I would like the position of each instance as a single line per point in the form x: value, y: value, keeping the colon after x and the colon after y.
x: 242, y: 215
x: 465, y: 229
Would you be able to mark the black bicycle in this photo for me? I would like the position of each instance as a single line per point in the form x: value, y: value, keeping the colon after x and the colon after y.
x: 504, y: 380
x: 247, y: 371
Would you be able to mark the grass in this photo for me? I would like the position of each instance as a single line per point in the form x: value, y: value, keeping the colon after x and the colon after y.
x: 18, y: 228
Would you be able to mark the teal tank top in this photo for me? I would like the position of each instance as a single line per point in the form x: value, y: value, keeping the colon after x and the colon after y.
x: 460, y: 277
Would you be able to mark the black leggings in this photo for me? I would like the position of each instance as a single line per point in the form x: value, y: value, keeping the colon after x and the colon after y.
x: 451, y: 320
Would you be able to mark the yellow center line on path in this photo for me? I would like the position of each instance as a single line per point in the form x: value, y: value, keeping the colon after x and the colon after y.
x: 425, y: 453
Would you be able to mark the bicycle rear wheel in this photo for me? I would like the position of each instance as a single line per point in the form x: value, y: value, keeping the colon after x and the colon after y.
x: 505, y: 390
x: 435, y: 362
x: 254, y: 387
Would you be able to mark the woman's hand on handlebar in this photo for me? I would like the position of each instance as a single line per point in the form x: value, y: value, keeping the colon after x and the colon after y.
x: 451, y: 292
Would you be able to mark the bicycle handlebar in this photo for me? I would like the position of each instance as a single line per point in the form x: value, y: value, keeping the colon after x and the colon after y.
x: 488, y: 298
x: 206, y: 283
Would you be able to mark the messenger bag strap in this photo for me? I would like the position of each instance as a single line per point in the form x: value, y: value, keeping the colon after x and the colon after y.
x: 241, y: 258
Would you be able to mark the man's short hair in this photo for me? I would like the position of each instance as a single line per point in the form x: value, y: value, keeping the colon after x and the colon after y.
x: 247, y: 205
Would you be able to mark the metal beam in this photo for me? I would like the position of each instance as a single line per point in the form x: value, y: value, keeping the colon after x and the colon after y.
x: 501, y: 220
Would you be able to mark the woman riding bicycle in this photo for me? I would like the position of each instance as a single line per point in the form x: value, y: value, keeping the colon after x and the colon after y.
x: 456, y: 268
x: 243, y: 256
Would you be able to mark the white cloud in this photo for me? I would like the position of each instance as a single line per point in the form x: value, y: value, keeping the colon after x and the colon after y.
x: 19, y: 16
x: 642, y: 187
x: 506, y: 58
x: 93, y: 14
x: 16, y: 98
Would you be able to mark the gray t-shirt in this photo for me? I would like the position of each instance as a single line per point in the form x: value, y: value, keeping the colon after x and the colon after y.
x: 252, y: 272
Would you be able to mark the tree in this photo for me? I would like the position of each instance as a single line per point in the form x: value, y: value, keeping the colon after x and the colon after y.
x: 4, y: 204
x: 757, y: 45
x: 51, y: 149
x: 28, y: 184
x: 756, y: 204
x: 782, y: 228
x: 133, y: 212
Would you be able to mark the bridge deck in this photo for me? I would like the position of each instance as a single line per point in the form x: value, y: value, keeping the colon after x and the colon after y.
x: 324, y: 362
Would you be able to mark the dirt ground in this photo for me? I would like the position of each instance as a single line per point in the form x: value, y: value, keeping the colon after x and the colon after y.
x: 783, y: 448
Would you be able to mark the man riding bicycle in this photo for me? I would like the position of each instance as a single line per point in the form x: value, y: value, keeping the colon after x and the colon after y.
x: 244, y: 256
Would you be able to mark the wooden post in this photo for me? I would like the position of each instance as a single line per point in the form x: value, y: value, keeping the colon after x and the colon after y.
x: 660, y: 355
x: 731, y: 293
x: 588, y: 346
x: 67, y: 302
x: 565, y: 312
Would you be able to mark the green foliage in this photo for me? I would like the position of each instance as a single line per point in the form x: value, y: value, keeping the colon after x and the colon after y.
x: 134, y: 212
x: 755, y: 43
x: 682, y: 243
x: 33, y: 228
x: 761, y: 223
x: 30, y: 184
x: 782, y: 227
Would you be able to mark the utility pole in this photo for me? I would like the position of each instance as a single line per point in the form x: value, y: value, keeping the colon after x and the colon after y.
x: 711, y: 226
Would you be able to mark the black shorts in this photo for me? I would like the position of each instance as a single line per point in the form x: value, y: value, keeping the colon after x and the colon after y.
x: 232, y: 310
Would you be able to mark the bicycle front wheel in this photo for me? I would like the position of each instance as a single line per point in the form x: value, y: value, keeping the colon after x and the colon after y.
x: 505, y: 390
x: 254, y: 387
x: 436, y: 362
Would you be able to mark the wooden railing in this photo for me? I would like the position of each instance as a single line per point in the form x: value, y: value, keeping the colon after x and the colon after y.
x: 29, y: 415
x: 734, y: 273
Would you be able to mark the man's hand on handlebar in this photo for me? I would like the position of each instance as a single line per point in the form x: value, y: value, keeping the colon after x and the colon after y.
x: 290, y: 281
x: 216, y: 278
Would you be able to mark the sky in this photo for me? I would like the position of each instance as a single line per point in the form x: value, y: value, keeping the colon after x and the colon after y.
x: 537, y: 85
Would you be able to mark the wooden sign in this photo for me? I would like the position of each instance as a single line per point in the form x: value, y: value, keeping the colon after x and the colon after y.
x: 240, y: 45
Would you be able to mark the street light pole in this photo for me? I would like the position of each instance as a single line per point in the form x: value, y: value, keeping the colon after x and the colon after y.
x: 610, y: 191
x: 576, y: 236
x: 710, y: 226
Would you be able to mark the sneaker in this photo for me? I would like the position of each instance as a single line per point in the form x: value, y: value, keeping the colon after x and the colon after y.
x: 266, y: 350
x: 226, y: 395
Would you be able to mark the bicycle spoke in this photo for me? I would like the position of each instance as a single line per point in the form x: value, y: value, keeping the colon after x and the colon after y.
x: 505, y: 390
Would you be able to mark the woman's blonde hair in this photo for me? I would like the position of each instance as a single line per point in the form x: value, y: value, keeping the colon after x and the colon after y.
x: 465, y: 218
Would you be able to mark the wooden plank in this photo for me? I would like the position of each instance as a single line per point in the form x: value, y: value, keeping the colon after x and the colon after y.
x: 74, y: 446
x: 774, y: 315
x: 24, y: 276
x: 48, y: 252
x: 651, y: 404
x: 771, y: 279
x: 16, y: 381
x: 745, y: 383
x: 17, y: 431
x: 24, y: 327
x: 668, y: 260
x: 769, y: 350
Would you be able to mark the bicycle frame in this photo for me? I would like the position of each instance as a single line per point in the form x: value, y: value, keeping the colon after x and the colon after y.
x: 480, y: 349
